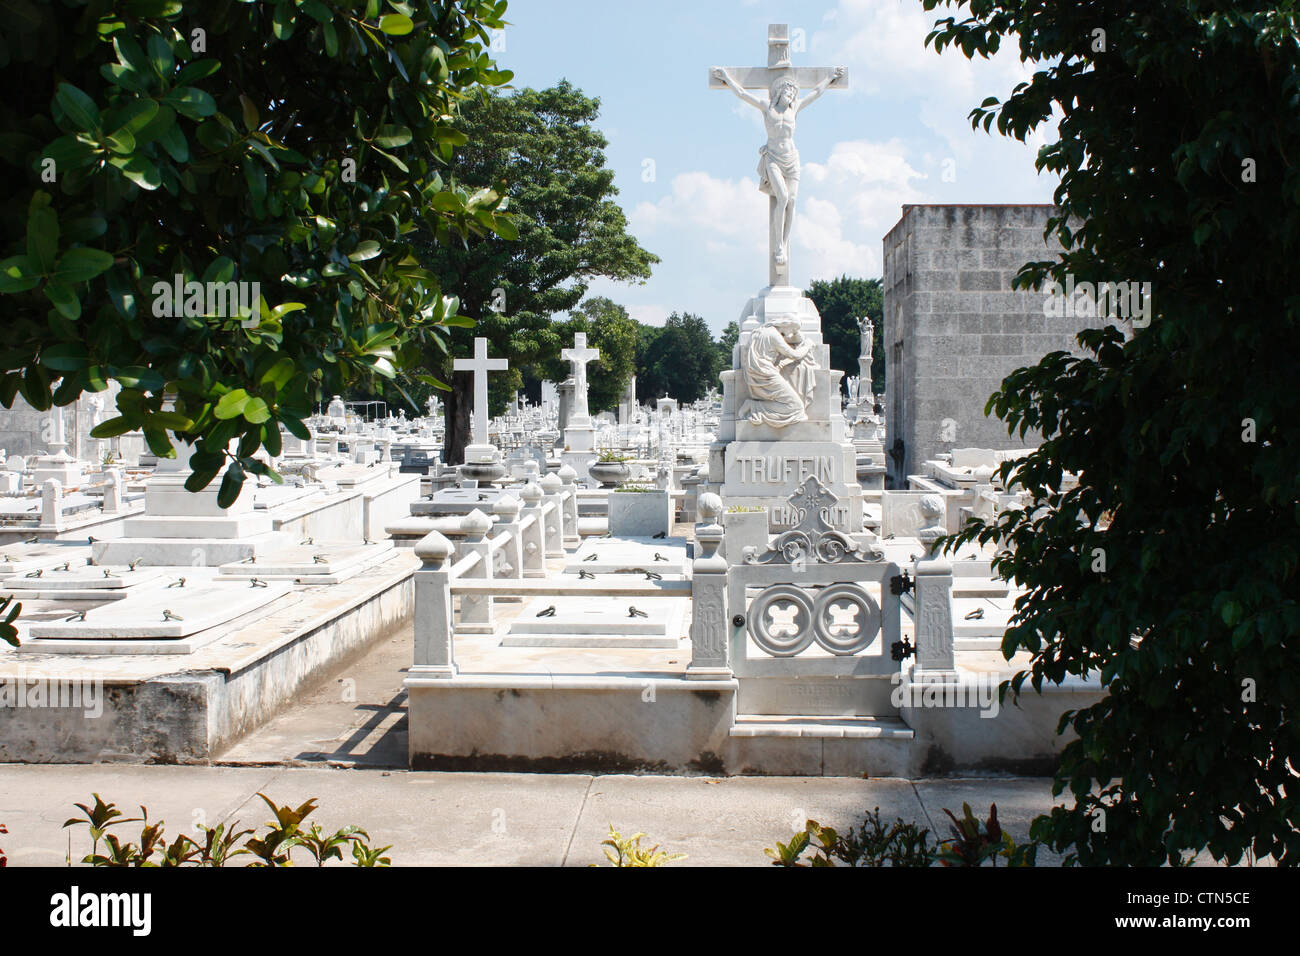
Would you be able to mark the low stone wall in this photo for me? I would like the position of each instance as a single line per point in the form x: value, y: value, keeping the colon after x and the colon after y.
x: 190, y: 716
x: 675, y: 726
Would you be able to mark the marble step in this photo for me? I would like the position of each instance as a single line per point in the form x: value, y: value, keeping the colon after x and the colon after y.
x: 802, y: 725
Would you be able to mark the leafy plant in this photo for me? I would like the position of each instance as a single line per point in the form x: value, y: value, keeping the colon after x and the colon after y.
x: 295, y: 145
x: 218, y: 845
x: 9, y: 633
x: 4, y: 860
x: 363, y: 855
x: 972, y: 842
x: 282, y: 833
x: 613, y: 456
x: 1176, y: 149
x: 628, y: 851
x: 873, y: 843
x: 273, y: 848
x: 636, y: 489
x: 329, y: 846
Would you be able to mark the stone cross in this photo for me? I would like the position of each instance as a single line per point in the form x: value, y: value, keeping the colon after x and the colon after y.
x: 480, y: 365
x: 580, y: 355
x: 779, y: 154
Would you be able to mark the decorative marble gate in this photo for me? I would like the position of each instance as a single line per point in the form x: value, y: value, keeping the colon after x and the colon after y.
x: 814, y: 619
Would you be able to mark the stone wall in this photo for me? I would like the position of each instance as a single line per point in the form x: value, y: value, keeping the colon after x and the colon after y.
x: 954, y: 328
x: 25, y: 431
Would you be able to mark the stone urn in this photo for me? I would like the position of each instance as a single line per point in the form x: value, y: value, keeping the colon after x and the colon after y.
x: 609, y: 473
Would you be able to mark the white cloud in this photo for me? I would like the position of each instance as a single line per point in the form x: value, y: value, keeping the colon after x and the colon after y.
x: 649, y: 314
x: 704, y: 204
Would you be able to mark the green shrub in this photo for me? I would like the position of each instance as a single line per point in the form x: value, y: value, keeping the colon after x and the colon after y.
x: 218, y: 847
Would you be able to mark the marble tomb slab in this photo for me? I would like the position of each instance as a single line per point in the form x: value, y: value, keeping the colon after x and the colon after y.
x: 598, y: 622
x: 608, y: 555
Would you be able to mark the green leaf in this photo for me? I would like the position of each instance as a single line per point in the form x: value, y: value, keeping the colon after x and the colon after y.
x: 64, y: 299
x: 296, y: 428
x: 42, y: 233
x: 65, y: 357
x: 191, y: 101
x: 18, y: 274
x: 249, y: 112
x: 278, y: 375
x: 113, y: 427
x: 231, y: 404
x: 79, y: 108
x: 390, y: 136
x: 82, y: 264
x: 255, y: 411
x: 139, y: 169
x: 197, y: 70
x: 396, y: 24
x: 160, y: 56
x: 231, y: 484
x: 365, y: 250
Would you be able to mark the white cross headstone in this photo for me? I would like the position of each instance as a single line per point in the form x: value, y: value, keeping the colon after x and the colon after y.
x: 480, y: 365
x: 580, y: 355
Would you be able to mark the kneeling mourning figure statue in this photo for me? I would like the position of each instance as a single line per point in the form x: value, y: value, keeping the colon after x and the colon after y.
x: 778, y: 366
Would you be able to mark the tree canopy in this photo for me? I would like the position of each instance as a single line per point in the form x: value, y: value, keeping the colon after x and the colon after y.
x: 288, y: 149
x: 543, y: 145
x: 841, y: 301
x: 1169, y: 572
x: 679, y: 360
x: 610, y: 329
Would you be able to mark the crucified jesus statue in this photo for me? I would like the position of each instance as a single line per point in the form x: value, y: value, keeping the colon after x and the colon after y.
x: 778, y: 159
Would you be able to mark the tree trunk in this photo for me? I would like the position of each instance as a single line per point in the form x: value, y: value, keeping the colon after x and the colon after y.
x: 457, y: 408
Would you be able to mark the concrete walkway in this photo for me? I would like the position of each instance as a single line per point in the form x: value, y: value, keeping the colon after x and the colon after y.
x: 458, y: 819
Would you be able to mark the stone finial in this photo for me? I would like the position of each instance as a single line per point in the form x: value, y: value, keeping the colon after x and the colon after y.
x: 552, y: 483
x: 567, y: 475
x: 531, y: 493
x: 507, y: 508
x: 710, y: 506
x: 433, y: 550
x: 476, y: 524
x: 931, y: 506
x: 709, y: 537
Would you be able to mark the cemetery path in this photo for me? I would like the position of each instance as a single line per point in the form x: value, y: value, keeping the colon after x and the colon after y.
x: 452, y: 819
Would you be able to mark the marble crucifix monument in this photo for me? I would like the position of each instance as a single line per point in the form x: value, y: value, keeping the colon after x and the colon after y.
x: 579, y: 433
x: 482, y: 460
x: 782, y: 420
x: 778, y: 158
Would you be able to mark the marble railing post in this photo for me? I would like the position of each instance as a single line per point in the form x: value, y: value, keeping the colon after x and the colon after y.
x: 710, y: 626
x: 476, y: 609
x: 570, y: 479
x: 434, y: 655
x: 534, y: 539
x: 553, y: 489
x: 52, y: 503
x: 932, y: 611
x: 506, y: 512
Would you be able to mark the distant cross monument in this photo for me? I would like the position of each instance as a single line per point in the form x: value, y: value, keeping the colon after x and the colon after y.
x: 778, y: 164
x: 579, y: 434
x: 480, y: 365
x: 580, y: 355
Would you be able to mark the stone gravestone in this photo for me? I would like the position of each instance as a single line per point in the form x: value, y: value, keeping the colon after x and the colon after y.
x: 579, y: 433
x: 482, y: 460
x: 782, y: 420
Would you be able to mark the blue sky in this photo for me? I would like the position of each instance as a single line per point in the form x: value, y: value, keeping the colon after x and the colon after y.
x: 684, y: 156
